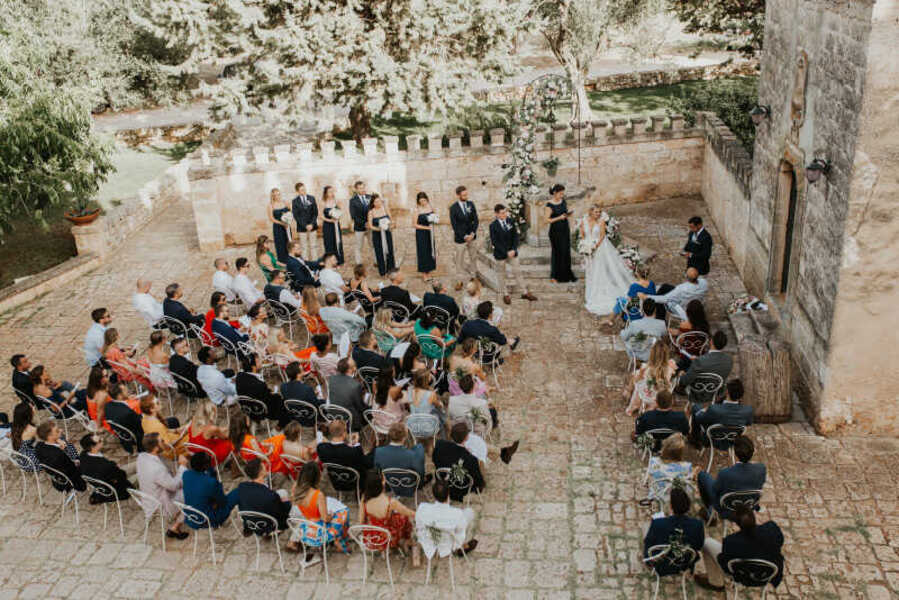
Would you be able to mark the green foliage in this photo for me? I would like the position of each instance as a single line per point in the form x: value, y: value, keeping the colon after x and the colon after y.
x: 730, y: 99
x: 742, y: 22
x: 177, y: 152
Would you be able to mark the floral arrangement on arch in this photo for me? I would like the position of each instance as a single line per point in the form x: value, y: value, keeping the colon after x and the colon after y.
x: 521, y: 178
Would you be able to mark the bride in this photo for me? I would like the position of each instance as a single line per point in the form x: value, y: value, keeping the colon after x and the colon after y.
x: 606, y: 274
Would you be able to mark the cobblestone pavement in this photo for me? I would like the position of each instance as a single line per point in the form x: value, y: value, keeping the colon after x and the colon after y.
x: 561, y: 522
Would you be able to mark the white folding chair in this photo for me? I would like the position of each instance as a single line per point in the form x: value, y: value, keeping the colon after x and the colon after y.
x: 106, y: 492
x: 367, y: 375
x: 331, y: 412
x: 69, y: 493
x: 692, y: 344
x: 372, y: 539
x: 231, y: 351
x: 731, y: 502
x: 197, y: 448
x: 489, y: 357
x: 124, y: 435
x: 256, y: 410
x: 400, y: 313
x: 752, y: 572
x: 422, y: 426
x: 197, y: 519
x: 461, y: 481
x: 262, y: 457
x: 341, y: 476
x: 660, y: 555
x: 637, y: 345
x: 402, y: 480
x: 440, y: 533
x: 704, y: 388
x: 176, y: 327
x: 297, y: 526
x: 25, y: 465
x: 304, y: 413
x: 151, y: 507
x: 294, y: 464
x: 379, y: 421
x: 722, y: 434
x: 433, y: 345
x: 260, y: 524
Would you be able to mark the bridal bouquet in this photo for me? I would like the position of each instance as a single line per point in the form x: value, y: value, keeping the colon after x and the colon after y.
x: 384, y: 224
x: 613, y: 228
x: 433, y: 218
x: 287, y: 218
x: 335, y: 213
x: 585, y: 248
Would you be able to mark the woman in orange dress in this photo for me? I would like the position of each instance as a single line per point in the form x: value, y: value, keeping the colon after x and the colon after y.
x: 311, y: 306
x: 243, y: 440
x: 312, y: 505
x: 288, y: 442
x: 126, y: 368
x: 204, y: 432
x: 380, y: 510
x: 97, y: 396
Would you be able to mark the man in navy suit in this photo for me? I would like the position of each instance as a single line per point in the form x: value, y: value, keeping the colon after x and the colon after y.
x: 662, y: 417
x: 254, y: 495
x: 482, y: 328
x: 336, y: 450
x: 741, y: 477
x: 365, y: 354
x: 172, y: 307
x: 661, y: 531
x: 464, y: 219
x: 250, y: 383
x: 698, y: 248
x: 360, y: 203
x: 505, y: 239
x: 305, y: 213
x: 302, y: 273
x: 728, y: 412
x: 763, y: 542
x: 222, y: 328
x: 204, y: 492
x: 396, y: 456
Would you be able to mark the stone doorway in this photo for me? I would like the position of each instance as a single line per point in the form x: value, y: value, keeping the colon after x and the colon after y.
x: 785, y: 228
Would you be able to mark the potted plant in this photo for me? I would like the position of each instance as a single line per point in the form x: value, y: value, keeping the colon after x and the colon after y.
x: 551, y: 165
x: 83, y: 212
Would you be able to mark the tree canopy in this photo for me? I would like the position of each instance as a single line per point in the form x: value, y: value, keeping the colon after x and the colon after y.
x: 742, y: 21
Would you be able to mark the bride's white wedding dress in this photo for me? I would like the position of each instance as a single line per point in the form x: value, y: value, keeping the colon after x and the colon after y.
x: 607, y: 276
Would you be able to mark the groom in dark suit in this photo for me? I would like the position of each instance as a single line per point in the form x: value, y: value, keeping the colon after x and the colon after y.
x: 360, y: 204
x: 698, y: 248
x: 305, y: 213
x: 464, y: 219
x: 505, y: 240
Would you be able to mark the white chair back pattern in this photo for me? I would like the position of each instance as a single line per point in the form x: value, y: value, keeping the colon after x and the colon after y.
x: 722, y: 434
x: 69, y: 493
x: 261, y: 524
x: 108, y: 494
x: 330, y: 412
x: 402, y: 481
x: 684, y: 562
x: 380, y: 421
x: 293, y: 463
x: 421, y: 425
x: 368, y: 375
x: 704, y: 388
x: 197, y: 448
x: 304, y: 413
x: 400, y: 313
x: 386, y: 340
x: 255, y: 409
x: 489, y: 356
x: 372, y: 539
x: 440, y: 315
x: 637, y: 345
x: 176, y: 327
x: 259, y: 455
x: 692, y: 343
x: 201, y: 335
x: 461, y: 481
x: 343, y: 477
x: 432, y: 345
x: 752, y: 572
x: 124, y: 434
x: 25, y: 465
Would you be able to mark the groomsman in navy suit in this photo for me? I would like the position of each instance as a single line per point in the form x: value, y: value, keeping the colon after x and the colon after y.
x: 505, y: 239
x: 464, y: 219
x: 360, y: 204
x: 305, y: 213
x: 698, y: 248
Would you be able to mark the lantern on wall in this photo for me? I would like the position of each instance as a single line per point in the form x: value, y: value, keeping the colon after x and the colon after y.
x: 759, y: 113
x: 815, y: 169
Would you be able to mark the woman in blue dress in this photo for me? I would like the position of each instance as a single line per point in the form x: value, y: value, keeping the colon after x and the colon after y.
x: 643, y: 285
x: 379, y: 223
x: 331, y: 224
x: 425, y: 246
x: 280, y: 233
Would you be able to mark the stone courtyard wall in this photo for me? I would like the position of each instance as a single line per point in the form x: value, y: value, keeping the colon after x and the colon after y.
x: 627, y: 160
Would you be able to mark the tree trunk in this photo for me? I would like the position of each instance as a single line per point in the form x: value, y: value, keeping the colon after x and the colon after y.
x: 580, y: 105
x: 360, y: 122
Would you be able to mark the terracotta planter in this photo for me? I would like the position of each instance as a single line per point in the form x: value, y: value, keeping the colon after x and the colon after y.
x: 83, y: 219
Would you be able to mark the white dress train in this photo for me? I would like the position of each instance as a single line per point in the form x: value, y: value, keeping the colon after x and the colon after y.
x: 607, y: 276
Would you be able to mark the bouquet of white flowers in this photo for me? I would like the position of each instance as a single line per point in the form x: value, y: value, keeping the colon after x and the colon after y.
x: 433, y: 218
x: 384, y: 224
x: 613, y: 228
x: 335, y: 213
x: 287, y: 218
x: 585, y: 248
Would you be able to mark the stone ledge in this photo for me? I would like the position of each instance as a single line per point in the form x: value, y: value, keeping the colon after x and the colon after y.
x: 36, y: 285
x: 728, y: 148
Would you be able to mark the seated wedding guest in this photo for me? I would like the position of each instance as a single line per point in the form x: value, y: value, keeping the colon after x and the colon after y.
x: 21, y: 377
x: 662, y: 416
x: 258, y: 329
x: 380, y: 510
x: 359, y: 284
x: 93, y: 340
x: 302, y: 272
x: 171, y: 434
x: 696, y: 320
x: 422, y: 400
x: 742, y: 476
x: 366, y: 352
x: 172, y: 307
x: 667, y: 466
x: 119, y: 410
x: 339, y: 320
x: 389, y: 400
x: 447, y: 453
x: 182, y: 366
x: 324, y: 358
x: 764, y: 542
x: 397, y: 294
x: 408, y: 358
x: 245, y: 289
x: 312, y: 307
x: 687, y: 530
x: 481, y: 326
x: 93, y: 464
x: 265, y: 258
x: 156, y: 480
x: 463, y: 361
x: 158, y: 360
x: 51, y: 452
x: 122, y: 361
x: 441, y: 299
x: 23, y: 435
x: 218, y: 386
x: 204, y: 492
x: 440, y: 515
x: 222, y: 329
x: 204, y: 432
x: 146, y: 305
x: 384, y: 321
x: 426, y: 325
x: 472, y: 300
x: 395, y: 455
x: 222, y: 281
x: 467, y: 404
x: 62, y: 394
x: 346, y: 391
x: 288, y: 443
x: 653, y: 376
x: 250, y: 383
x: 295, y: 389
x: 714, y: 361
x: 676, y: 298
x: 728, y: 412
x: 631, y: 300
x: 97, y: 396
x: 278, y: 291
x: 217, y: 299
x: 311, y: 504
x: 646, y: 327
x: 336, y: 450
x: 239, y: 432
x: 332, y: 280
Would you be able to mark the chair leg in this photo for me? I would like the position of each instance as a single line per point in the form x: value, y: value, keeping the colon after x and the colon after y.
x: 256, y: 538
x: 452, y: 576
x: 655, y: 594
x: 683, y: 584
x: 428, y: 576
x: 390, y: 572
x: 325, y: 562
x: 212, y: 545
x: 364, y: 565
x: 711, y: 458
x: 162, y: 529
x: 278, y: 548
x: 121, y: 523
x: 37, y: 484
x: 105, y: 514
x: 75, y: 498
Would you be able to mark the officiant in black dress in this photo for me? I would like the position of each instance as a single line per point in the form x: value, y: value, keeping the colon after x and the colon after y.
x: 557, y: 214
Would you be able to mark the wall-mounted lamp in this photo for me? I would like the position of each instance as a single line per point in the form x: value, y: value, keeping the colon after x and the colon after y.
x: 759, y: 113
x: 816, y: 168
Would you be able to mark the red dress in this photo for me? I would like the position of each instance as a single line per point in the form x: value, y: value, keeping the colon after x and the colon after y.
x: 398, y: 525
x: 220, y: 447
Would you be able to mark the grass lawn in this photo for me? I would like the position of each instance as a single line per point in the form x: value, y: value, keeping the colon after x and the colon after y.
x: 30, y: 249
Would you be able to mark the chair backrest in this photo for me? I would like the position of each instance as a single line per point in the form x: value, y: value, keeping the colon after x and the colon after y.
x: 488, y: 351
x: 253, y: 408
x: 24, y: 397
x: 195, y: 518
x: 440, y: 316
x: 305, y: 413
x: 202, y: 335
x: 256, y: 454
x: 659, y: 434
x: 400, y: 313
x: 329, y: 412
x: 197, y: 449
x: 59, y: 479
x: 23, y: 461
x: 722, y: 436
x: 370, y: 537
x: 278, y: 311
x: 225, y: 343
x: 734, y: 501
x: 367, y: 306
x: 432, y: 346
x: 460, y: 480
x: 705, y: 387
x: 342, y: 477
x: 175, y: 326
x: 148, y: 503
x: 125, y: 435
x: 386, y: 340
x: 293, y: 463
x: 185, y: 386
x: 403, y: 482
x: 661, y: 558
x: 101, y: 488
x: 257, y: 523
x: 380, y: 420
x: 693, y: 343
x: 640, y: 344
x: 422, y: 424
x: 752, y: 572
x: 368, y: 375
x: 629, y: 314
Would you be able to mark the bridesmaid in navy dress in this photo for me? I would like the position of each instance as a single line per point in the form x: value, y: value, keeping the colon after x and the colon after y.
x: 425, y: 248
x: 381, y: 239
x: 276, y: 210
x: 331, y: 225
x: 559, y: 235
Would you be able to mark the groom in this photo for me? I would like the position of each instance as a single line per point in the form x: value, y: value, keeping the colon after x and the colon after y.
x: 698, y: 248
x: 505, y: 240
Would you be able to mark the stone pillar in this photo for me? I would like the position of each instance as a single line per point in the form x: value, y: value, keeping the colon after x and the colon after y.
x: 370, y: 146
x: 619, y: 127
x: 91, y: 238
x: 658, y: 123
x: 677, y: 122
x: 639, y: 124
x: 328, y: 150
x: 282, y: 153
x: 349, y: 149
x: 260, y: 155
x: 391, y: 145
x: 413, y: 144
x: 435, y: 144
x: 455, y: 145
x: 477, y: 138
x: 585, y: 130
x: 305, y: 151
x: 600, y: 131
x: 497, y: 138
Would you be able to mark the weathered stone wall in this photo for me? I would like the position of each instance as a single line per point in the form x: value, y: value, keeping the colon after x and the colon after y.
x: 627, y: 160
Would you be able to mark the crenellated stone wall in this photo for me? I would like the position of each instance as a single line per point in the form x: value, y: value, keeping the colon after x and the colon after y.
x: 627, y: 160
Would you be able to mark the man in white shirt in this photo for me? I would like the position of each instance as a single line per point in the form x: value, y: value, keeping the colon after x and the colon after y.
x: 340, y: 320
x: 156, y: 480
x: 646, y: 327
x: 694, y: 288
x: 222, y: 280
x: 276, y: 290
x: 220, y: 389
x: 245, y: 289
x: 452, y: 522
x: 93, y: 341
x: 468, y: 405
x: 331, y: 280
x: 146, y: 305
